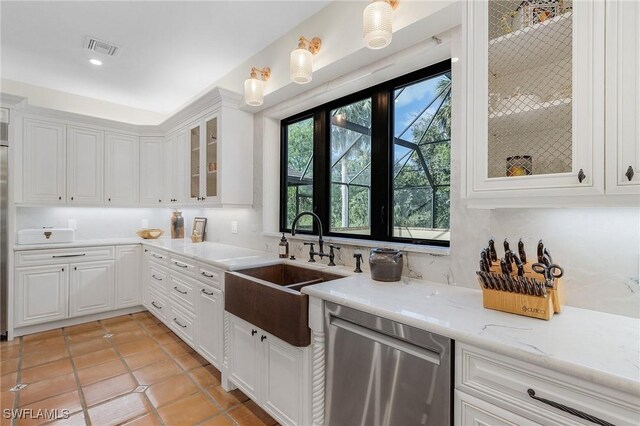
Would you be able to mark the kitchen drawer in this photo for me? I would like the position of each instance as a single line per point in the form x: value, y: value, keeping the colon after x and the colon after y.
x: 158, y: 278
x: 67, y: 255
x: 506, y: 383
x: 210, y: 275
x: 158, y: 305
x: 156, y: 255
x: 183, y: 264
x: 182, y: 323
x: 182, y: 290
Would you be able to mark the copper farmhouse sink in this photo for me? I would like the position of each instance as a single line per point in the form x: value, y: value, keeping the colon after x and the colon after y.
x: 269, y: 297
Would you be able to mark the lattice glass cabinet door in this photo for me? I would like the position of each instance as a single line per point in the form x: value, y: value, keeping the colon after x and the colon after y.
x: 211, y: 146
x: 194, y: 161
x: 536, y: 84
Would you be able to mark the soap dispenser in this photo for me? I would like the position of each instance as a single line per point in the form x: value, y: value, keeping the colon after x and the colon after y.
x: 283, y: 247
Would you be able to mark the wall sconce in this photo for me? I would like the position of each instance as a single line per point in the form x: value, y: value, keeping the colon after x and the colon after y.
x: 301, y: 63
x: 254, y: 87
x: 377, y: 20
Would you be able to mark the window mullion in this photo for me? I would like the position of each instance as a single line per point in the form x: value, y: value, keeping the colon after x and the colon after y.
x: 321, y: 175
x: 380, y: 166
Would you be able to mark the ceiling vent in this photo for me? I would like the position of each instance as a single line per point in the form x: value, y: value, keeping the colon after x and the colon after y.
x: 100, y: 46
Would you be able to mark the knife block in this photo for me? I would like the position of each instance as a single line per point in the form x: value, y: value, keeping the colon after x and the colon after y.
x: 524, y: 304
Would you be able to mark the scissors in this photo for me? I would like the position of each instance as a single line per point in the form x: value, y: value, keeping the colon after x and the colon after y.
x: 550, y: 271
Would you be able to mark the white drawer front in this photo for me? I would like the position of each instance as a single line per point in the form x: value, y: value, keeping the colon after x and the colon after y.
x: 182, y: 290
x: 210, y: 275
x: 183, y: 264
x: 158, y: 278
x: 58, y: 256
x: 158, y: 305
x: 156, y: 255
x: 506, y: 382
x: 182, y: 323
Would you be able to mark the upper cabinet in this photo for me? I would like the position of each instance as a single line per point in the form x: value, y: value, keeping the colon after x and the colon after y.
x: 623, y: 97
x: 85, y: 165
x: 175, y: 147
x: 44, y: 155
x: 535, y: 96
x: 203, y: 160
x: 122, y: 162
x: 152, y: 180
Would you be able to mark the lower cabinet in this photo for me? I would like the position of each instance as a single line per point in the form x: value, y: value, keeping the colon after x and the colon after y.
x: 91, y: 288
x: 474, y: 411
x: 127, y: 283
x: 41, y: 294
x: 267, y: 369
x: 210, y: 307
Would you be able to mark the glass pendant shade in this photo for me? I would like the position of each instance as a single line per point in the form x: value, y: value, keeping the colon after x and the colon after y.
x: 301, y: 66
x: 253, y: 92
x: 377, y: 24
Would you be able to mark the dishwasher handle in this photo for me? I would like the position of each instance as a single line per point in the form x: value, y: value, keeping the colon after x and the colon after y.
x: 401, y: 345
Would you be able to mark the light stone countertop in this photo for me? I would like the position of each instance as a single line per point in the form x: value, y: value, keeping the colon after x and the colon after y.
x: 81, y: 243
x: 594, y: 346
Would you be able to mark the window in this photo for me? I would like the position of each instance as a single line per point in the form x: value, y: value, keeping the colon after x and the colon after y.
x: 375, y: 164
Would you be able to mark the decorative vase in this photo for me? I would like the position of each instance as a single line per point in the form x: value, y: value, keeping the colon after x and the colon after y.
x: 177, y: 225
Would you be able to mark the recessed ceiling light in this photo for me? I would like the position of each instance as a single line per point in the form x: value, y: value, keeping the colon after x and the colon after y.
x: 95, y: 61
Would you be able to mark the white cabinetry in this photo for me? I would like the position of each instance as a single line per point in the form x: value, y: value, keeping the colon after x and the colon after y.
x: 41, y: 294
x: 210, y: 307
x: 127, y: 281
x: 175, y: 147
x: 268, y: 370
x: 623, y: 97
x: 44, y: 168
x: 91, y: 288
x: 121, y: 168
x: 473, y: 411
x: 152, y: 178
x: 85, y: 165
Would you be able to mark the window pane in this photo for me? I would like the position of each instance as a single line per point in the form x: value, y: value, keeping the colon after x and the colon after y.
x: 351, y: 168
x: 300, y: 172
x: 422, y: 159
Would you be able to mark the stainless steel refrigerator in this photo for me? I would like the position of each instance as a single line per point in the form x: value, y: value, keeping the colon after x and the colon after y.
x: 4, y: 208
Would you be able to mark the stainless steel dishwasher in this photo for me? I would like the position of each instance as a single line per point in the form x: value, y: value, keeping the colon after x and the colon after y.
x: 383, y: 373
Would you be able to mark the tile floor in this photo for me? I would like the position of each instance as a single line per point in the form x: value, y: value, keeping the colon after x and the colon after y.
x: 99, y: 379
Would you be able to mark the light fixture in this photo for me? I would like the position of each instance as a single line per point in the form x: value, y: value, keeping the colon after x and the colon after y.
x: 301, y: 63
x: 253, y: 87
x: 377, y: 23
x: 95, y: 61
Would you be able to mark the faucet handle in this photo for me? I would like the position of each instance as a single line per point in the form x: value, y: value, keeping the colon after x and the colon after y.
x: 332, y: 255
x: 358, y: 257
x: 311, y: 251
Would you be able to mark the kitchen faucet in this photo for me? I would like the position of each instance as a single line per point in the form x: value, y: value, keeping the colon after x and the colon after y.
x: 312, y: 253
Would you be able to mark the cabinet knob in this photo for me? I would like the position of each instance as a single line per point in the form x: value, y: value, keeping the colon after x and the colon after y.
x: 253, y: 332
x: 75, y: 268
x: 263, y: 338
x: 581, y: 176
x: 59, y: 198
x: 629, y: 174
x: 109, y: 199
x: 159, y: 201
x: 71, y: 198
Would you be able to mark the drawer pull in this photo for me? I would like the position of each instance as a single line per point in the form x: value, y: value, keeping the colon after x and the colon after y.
x: 206, y: 292
x: 581, y: 176
x: 177, y: 322
x: 629, y: 174
x: 263, y: 338
x: 569, y: 410
x: 253, y: 332
x: 156, y: 306
x: 207, y: 275
x: 156, y: 278
x: 181, y: 265
x: 157, y: 256
x: 179, y: 291
x: 69, y: 255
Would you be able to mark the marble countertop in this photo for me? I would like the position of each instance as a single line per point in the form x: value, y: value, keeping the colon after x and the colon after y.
x: 598, y: 347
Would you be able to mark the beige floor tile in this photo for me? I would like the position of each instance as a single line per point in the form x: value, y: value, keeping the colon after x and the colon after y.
x: 149, y: 322
x: 87, y: 346
x: 165, y: 338
x: 119, y: 410
x: 100, y: 372
x: 249, y: 414
x: 46, y: 371
x: 188, y: 411
x: 9, y: 352
x: 191, y: 361
x: 157, y: 329
x: 8, y: 366
x: 227, y: 399
x: 107, y: 389
x: 141, y: 315
x: 95, y: 358
x: 7, y: 343
x: 205, y: 376
x: 41, y: 336
x: 140, y: 345
x: 33, y: 358
x: 83, y: 328
x: 141, y: 359
x: 123, y: 327
x: 170, y: 390
x: 47, y: 388
x: 8, y: 381
x: 69, y: 401
x: 117, y: 320
x: 6, y: 399
x: 157, y: 372
x: 177, y: 349
x: 219, y: 420
x: 128, y: 336
x: 76, y: 419
x: 149, y: 419
x: 86, y: 335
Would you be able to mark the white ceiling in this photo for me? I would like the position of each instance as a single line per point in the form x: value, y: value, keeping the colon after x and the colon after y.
x: 171, y: 51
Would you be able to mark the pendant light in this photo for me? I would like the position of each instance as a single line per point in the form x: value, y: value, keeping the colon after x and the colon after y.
x: 377, y: 23
x: 301, y: 61
x: 254, y: 87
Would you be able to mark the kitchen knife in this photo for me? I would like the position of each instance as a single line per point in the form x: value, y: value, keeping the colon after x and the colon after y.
x: 508, y: 258
x: 519, y: 265
x: 483, y: 278
x: 540, y: 252
x: 521, y: 252
x: 503, y: 267
x: 506, y: 245
x: 492, y: 250
x: 484, y: 255
x: 483, y: 266
x: 548, y: 255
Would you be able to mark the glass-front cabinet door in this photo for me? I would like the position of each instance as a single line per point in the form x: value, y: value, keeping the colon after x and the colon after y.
x: 211, y: 149
x: 204, y: 164
x: 535, y: 97
x: 194, y: 162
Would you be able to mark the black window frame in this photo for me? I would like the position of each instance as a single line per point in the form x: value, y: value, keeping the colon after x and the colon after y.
x: 382, y: 150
